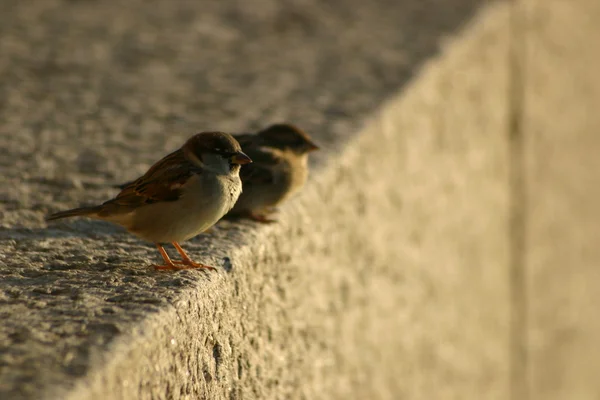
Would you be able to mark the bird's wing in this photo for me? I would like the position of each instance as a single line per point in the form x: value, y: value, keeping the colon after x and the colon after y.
x: 163, y: 182
x: 260, y: 171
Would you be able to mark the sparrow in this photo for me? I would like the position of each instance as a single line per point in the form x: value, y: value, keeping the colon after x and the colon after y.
x: 280, y: 169
x: 180, y: 196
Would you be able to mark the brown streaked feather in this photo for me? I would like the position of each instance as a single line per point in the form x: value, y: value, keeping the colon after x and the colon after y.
x: 163, y: 182
x: 176, y: 157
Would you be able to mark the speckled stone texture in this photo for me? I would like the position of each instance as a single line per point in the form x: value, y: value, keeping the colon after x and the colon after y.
x: 392, y: 276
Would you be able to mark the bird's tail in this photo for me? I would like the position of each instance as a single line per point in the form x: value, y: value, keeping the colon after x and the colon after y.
x: 76, y: 212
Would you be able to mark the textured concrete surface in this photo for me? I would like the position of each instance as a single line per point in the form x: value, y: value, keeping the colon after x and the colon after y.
x: 401, y: 271
x: 562, y: 243
x: 374, y: 293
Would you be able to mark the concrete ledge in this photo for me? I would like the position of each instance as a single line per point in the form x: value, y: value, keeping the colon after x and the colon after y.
x: 385, y: 279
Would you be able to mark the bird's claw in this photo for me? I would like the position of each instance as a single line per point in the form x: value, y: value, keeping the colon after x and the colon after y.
x: 263, y: 219
x: 189, y: 264
x: 180, y: 265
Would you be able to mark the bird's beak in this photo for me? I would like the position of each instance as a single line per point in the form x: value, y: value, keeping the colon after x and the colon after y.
x: 240, y: 158
x: 311, y: 147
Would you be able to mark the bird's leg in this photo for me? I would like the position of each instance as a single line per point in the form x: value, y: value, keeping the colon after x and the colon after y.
x: 186, y: 260
x: 169, y: 264
x: 258, y: 217
x: 263, y: 219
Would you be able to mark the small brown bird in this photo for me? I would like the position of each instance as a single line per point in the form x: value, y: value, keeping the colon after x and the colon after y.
x: 280, y: 168
x: 179, y: 197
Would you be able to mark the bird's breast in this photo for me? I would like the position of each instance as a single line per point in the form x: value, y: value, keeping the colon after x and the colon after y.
x: 205, y: 199
x: 213, y: 195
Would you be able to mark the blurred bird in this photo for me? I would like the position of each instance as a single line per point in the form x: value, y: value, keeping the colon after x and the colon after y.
x: 280, y: 169
x: 180, y: 196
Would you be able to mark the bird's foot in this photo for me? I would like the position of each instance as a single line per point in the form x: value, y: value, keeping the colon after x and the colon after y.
x: 180, y: 265
x: 189, y: 264
x: 169, y: 267
x: 263, y: 219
